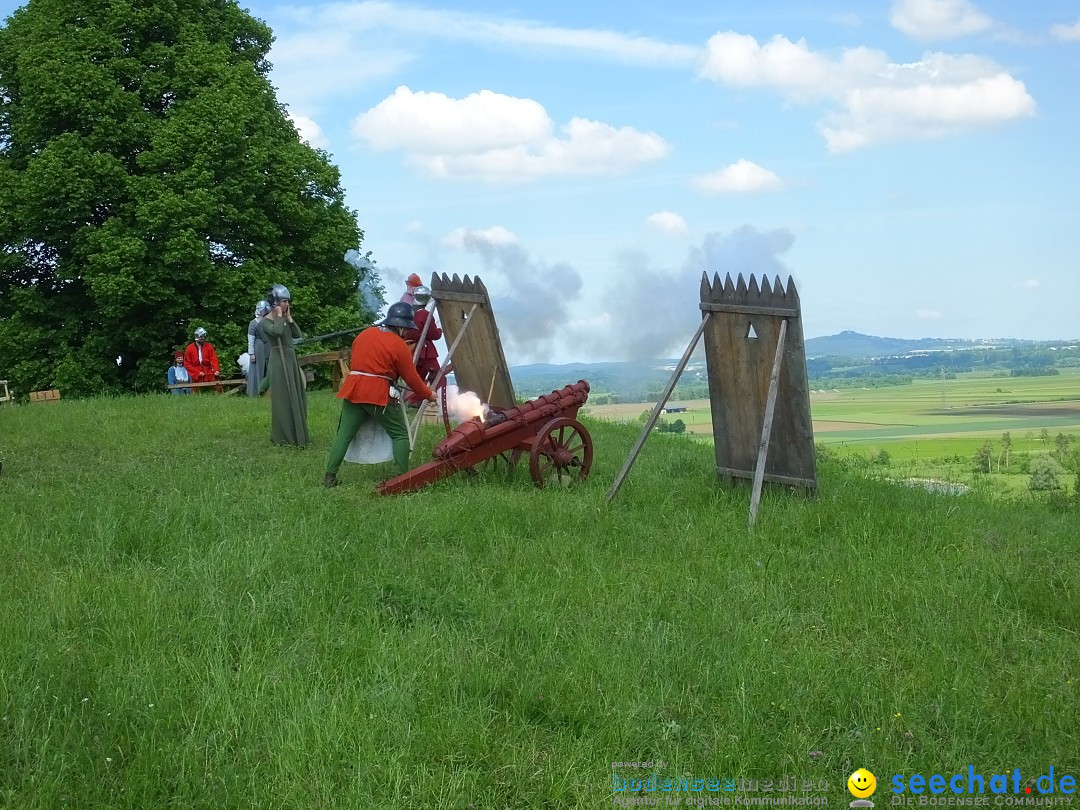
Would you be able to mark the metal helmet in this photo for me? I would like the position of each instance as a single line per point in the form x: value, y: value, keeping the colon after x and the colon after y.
x: 422, y: 295
x: 399, y: 314
x: 262, y: 308
x: 279, y: 292
x: 200, y: 333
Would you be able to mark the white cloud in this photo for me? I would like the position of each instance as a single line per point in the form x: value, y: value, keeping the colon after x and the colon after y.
x: 414, y: 226
x: 310, y: 67
x: 309, y: 131
x: 469, y: 238
x: 668, y: 223
x: 928, y: 314
x: 871, y: 99
x: 1031, y: 284
x: 499, y: 138
x: 938, y: 19
x: 740, y: 177
x: 432, y: 123
x: 1068, y: 33
x: 412, y: 21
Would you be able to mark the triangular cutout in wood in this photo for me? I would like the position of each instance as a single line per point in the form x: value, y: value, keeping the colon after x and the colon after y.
x: 751, y: 333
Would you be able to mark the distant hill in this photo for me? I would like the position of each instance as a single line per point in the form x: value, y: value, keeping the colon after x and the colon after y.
x: 854, y: 344
x: 846, y: 356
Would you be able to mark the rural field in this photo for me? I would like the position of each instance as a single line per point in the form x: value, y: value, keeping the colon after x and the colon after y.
x: 190, y: 620
x: 929, y: 428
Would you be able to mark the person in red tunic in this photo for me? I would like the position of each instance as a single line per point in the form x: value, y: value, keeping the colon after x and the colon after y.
x: 427, y: 362
x: 379, y: 356
x: 200, y: 359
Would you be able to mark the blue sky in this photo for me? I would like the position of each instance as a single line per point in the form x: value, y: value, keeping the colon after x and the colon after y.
x: 912, y: 164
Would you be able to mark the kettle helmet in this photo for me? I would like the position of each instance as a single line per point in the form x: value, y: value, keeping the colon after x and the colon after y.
x: 422, y: 295
x: 262, y: 308
x: 200, y: 334
x: 399, y: 314
x: 278, y: 293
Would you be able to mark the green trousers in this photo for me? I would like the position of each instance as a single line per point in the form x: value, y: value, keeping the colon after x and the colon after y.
x: 353, y: 416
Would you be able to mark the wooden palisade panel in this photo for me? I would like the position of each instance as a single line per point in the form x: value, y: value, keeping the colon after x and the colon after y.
x: 740, y: 346
x: 478, y: 361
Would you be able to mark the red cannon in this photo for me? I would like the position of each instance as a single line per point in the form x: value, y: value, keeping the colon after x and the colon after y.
x: 560, y: 448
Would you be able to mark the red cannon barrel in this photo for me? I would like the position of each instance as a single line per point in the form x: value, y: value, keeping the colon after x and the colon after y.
x: 473, y: 433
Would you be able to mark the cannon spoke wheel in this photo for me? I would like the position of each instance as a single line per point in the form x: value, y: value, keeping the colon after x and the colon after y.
x: 504, y: 463
x: 562, y: 454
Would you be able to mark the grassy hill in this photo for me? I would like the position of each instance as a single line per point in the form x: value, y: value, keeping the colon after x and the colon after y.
x: 190, y: 620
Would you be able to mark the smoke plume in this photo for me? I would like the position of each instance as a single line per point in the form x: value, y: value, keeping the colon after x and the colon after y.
x: 654, y: 311
x: 530, y: 298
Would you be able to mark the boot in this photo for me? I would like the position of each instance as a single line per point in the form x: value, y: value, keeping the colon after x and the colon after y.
x: 330, y: 480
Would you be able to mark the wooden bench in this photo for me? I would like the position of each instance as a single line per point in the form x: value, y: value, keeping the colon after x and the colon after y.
x: 338, y: 371
x: 234, y: 386
x: 52, y: 395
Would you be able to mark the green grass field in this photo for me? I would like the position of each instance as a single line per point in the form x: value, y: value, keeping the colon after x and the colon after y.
x: 190, y: 620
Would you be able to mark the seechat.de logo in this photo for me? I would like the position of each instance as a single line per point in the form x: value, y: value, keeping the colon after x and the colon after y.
x: 862, y: 785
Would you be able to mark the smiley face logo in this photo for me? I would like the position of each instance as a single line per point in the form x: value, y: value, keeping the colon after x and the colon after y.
x: 861, y: 783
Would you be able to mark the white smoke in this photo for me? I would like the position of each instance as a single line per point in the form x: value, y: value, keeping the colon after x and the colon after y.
x: 654, y: 310
x: 535, y: 308
x: 463, y: 405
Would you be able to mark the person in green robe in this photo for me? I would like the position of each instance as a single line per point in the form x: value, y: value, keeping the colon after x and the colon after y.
x: 288, y: 393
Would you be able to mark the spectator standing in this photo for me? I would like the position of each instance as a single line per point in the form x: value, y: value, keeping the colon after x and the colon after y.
x: 258, y: 350
x: 200, y: 359
x: 288, y: 393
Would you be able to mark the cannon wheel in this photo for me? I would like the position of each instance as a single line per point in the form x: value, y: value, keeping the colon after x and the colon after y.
x: 506, y: 462
x: 562, y: 453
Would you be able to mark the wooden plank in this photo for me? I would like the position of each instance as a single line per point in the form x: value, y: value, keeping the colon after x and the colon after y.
x: 207, y: 384
x: 748, y: 309
x: 767, y: 423
x: 787, y: 480
x: 463, y: 298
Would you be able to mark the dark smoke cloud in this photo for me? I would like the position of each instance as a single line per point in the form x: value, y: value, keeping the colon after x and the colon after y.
x: 654, y: 311
x: 533, y: 311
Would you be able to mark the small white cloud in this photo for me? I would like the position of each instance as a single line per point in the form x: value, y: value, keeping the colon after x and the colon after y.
x: 1068, y: 33
x: 1031, y: 284
x: 467, y: 238
x: 938, y: 19
x: 743, y: 176
x: 414, y: 226
x: 667, y: 223
x: 499, y: 138
x: 309, y: 131
x: 928, y: 314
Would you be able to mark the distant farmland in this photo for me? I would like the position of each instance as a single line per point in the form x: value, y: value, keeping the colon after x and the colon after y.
x: 928, y: 420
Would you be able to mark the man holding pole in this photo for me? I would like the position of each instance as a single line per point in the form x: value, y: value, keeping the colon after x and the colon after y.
x: 423, y: 338
x: 379, y: 357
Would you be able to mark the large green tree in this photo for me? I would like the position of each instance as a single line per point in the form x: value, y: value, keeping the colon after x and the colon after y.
x: 150, y: 182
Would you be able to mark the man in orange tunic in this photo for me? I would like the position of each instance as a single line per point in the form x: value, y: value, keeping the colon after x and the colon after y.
x: 379, y: 356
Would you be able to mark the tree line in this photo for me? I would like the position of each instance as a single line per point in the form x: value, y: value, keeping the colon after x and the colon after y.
x: 153, y: 182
